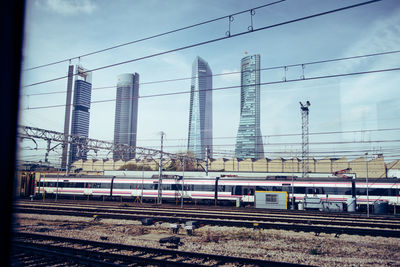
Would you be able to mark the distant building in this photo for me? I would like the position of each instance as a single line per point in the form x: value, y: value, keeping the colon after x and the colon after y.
x: 126, y: 114
x: 80, y: 112
x: 200, y: 113
x: 249, y: 140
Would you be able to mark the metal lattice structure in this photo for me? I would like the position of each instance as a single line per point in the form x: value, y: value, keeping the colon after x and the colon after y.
x: 86, y: 144
x: 305, y: 149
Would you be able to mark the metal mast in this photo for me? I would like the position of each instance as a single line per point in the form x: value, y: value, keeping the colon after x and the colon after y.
x: 159, y: 196
x: 304, y: 136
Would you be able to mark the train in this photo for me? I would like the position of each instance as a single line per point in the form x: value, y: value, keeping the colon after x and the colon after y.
x: 224, y: 189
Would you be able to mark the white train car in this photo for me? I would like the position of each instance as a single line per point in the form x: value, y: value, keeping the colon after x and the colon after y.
x: 227, y: 189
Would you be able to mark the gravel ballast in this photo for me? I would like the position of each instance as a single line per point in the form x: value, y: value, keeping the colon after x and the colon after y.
x: 273, y: 245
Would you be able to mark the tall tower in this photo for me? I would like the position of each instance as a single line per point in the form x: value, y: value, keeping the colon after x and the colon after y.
x: 80, y: 112
x: 200, y: 113
x: 249, y: 140
x: 305, y: 150
x: 126, y: 113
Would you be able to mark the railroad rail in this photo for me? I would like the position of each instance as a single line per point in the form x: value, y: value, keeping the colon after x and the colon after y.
x: 36, y: 249
x: 244, y: 212
x: 333, y: 225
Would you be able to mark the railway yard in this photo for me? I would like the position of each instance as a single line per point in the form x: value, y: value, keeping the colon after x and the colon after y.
x: 124, y: 233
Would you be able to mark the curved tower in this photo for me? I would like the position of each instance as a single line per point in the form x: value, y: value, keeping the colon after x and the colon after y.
x: 249, y: 141
x: 200, y: 114
x: 126, y: 113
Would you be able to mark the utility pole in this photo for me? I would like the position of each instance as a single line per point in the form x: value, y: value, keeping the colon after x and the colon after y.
x: 304, y: 136
x: 159, y: 196
x: 183, y: 182
x: 366, y: 180
x: 64, y: 160
x: 207, y: 155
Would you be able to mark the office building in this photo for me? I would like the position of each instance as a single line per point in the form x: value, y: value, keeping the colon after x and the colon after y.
x: 200, y: 113
x: 80, y: 112
x: 126, y: 114
x: 249, y: 140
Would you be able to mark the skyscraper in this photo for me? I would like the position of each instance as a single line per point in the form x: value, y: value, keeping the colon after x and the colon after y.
x: 80, y: 112
x: 126, y: 113
x: 200, y: 114
x: 249, y: 141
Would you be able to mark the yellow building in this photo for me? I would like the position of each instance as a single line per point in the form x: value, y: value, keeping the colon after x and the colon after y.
x: 377, y: 168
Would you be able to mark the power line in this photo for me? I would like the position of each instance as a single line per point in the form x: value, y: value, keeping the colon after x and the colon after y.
x: 311, y: 143
x: 276, y: 135
x: 239, y: 72
x: 214, y: 40
x: 154, y: 36
x: 236, y: 86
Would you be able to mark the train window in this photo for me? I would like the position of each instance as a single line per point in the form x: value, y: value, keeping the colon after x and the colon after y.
x: 378, y: 192
x: 203, y: 188
x: 176, y: 187
x: 148, y: 186
x: 261, y: 188
x: 299, y: 190
x: 121, y: 186
x: 331, y: 190
x: 189, y: 187
x: 245, y: 190
x: 318, y: 190
x: 276, y: 188
x: 105, y: 185
x: 251, y: 191
x: 228, y: 188
x: 237, y: 190
x: 225, y: 188
x: 93, y: 185
x: 248, y: 191
x: 78, y: 185
x: 286, y: 188
x: 270, y: 198
x: 166, y: 187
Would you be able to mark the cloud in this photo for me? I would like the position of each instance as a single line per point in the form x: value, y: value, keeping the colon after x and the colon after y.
x: 70, y: 7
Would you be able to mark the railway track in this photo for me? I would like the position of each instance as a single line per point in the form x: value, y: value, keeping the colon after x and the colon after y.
x: 335, y: 224
x: 39, y: 250
x: 248, y: 213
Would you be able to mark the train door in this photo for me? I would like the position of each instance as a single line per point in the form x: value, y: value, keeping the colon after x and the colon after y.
x: 248, y: 190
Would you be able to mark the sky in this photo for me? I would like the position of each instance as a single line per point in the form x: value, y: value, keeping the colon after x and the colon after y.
x: 350, y: 106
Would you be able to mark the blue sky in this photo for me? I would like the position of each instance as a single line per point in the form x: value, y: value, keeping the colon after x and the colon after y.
x: 60, y: 29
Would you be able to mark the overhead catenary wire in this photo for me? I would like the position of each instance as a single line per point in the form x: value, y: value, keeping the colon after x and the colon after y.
x: 212, y: 40
x: 153, y: 36
x: 233, y: 87
x: 237, y: 72
x: 277, y: 135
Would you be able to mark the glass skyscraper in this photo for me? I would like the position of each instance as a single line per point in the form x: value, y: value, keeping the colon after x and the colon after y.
x: 80, y: 112
x: 249, y: 141
x: 126, y: 114
x: 200, y: 114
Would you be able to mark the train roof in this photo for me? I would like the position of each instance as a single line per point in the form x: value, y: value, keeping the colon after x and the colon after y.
x: 228, y: 178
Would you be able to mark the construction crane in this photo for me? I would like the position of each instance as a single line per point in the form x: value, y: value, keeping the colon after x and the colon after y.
x: 304, y: 136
